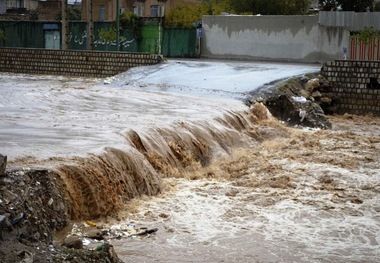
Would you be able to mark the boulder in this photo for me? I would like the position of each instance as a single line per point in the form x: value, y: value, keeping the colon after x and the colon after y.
x: 311, y: 85
x: 93, y: 233
x: 316, y: 94
x: 73, y: 242
x: 297, y: 111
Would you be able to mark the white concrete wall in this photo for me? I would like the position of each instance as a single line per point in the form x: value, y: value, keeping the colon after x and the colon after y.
x: 278, y: 38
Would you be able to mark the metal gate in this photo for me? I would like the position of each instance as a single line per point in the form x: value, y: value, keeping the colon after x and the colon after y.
x: 52, y: 39
x: 365, y: 50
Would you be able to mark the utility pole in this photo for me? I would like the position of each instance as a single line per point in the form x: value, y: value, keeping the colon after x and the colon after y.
x: 117, y: 26
x: 161, y: 13
x: 65, y: 24
x: 90, y: 26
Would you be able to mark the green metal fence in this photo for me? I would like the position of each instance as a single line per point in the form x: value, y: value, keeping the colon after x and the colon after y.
x: 170, y: 42
x: 78, y: 38
x: 180, y: 42
x: 22, y: 34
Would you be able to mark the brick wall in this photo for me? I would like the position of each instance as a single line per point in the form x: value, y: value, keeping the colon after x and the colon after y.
x: 71, y: 63
x: 354, y: 85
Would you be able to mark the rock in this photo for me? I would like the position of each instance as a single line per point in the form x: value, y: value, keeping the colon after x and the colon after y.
x: 3, y: 163
x: 93, y: 233
x: 325, y: 88
x: 297, y: 111
x: 111, y: 253
x: 311, y: 85
x: 26, y: 256
x: 326, y: 100
x: 18, y: 219
x: 304, y: 93
x: 316, y: 94
x: 322, y: 80
x: 73, y: 242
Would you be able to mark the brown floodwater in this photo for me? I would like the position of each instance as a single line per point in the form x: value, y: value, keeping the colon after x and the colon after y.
x: 222, y: 182
x: 301, y: 195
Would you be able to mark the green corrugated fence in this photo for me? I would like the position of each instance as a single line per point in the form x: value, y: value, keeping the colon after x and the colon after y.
x: 154, y: 39
x: 180, y: 42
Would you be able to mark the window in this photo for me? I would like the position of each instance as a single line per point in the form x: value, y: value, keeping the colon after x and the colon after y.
x: 157, y: 10
x: 102, y: 13
x: 12, y: 3
x: 138, y: 10
x: 154, y: 10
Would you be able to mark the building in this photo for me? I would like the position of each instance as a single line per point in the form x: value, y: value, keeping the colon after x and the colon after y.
x: 17, y: 9
x: 17, y: 6
x: 48, y: 9
x: 156, y: 8
x: 105, y: 10
x: 3, y: 7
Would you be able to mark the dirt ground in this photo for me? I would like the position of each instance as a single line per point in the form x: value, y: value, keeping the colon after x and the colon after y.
x: 32, y: 208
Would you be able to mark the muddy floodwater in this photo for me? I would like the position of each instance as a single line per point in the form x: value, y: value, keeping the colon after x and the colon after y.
x: 304, y: 196
x: 221, y: 181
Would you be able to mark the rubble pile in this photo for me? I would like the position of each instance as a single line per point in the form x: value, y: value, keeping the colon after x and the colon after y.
x: 299, y: 101
x: 32, y: 208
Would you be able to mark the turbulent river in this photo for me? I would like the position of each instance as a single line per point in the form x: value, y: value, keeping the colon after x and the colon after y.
x: 174, y: 147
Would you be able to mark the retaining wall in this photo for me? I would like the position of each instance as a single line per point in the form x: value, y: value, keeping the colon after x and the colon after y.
x: 72, y: 63
x: 355, y: 85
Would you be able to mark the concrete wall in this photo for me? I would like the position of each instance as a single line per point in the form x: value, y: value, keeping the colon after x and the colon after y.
x: 280, y: 38
x: 71, y: 63
x: 351, y: 20
x: 354, y: 85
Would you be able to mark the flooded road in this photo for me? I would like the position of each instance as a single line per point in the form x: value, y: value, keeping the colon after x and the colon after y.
x: 230, y: 183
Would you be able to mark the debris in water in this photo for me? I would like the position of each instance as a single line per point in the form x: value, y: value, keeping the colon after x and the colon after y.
x: 148, y: 231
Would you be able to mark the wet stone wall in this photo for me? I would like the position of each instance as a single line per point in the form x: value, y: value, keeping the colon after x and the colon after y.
x: 354, y: 85
x: 72, y: 63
